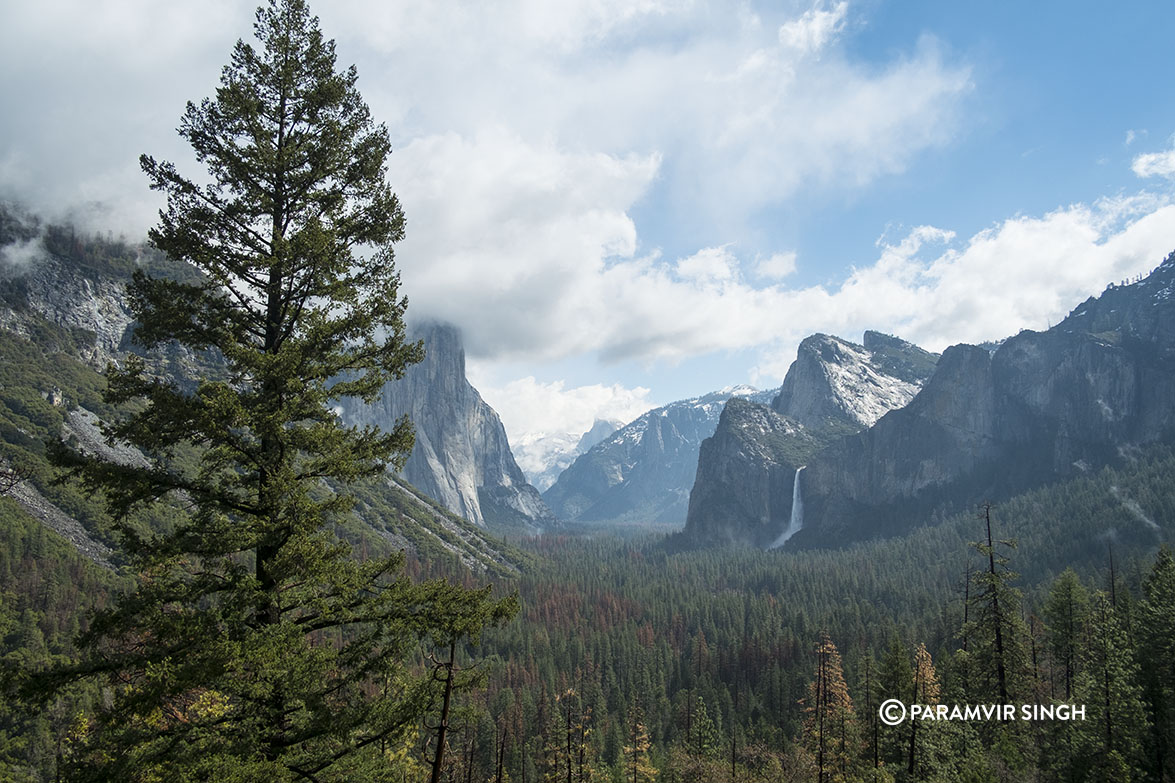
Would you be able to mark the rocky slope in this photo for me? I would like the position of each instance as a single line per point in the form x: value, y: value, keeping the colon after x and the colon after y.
x: 834, y: 383
x: 747, y: 472
x: 1042, y: 407
x: 462, y: 458
x: 63, y: 317
x: 745, y: 478
x: 643, y: 472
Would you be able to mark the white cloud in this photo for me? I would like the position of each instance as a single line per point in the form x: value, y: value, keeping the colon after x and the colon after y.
x: 20, y: 255
x: 719, y: 95
x: 708, y: 267
x: 814, y: 29
x: 509, y: 239
x: 549, y: 266
x: 927, y: 286
x: 1026, y: 272
x: 94, y: 86
x: 531, y: 409
x: 525, y: 141
x: 1154, y: 164
x: 777, y: 266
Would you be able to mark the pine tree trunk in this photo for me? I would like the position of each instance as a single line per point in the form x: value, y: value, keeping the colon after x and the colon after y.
x: 443, y: 729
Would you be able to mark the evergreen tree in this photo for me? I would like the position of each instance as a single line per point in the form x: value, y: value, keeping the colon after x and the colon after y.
x: 830, y: 731
x: 924, y: 692
x: 255, y: 646
x: 703, y: 737
x: 1065, y: 612
x: 995, y: 626
x: 1110, y: 739
x: 1156, y: 614
x: 896, y: 678
x: 870, y: 686
x: 637, y: 767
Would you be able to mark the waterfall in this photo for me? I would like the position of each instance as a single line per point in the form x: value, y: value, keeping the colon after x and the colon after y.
x: 796, y: 523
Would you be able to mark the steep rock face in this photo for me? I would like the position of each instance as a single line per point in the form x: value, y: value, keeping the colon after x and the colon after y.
x: 63, y: 298
x: 461, y: 458
x: 834, y: 382
x: 745, y: 476
x: 1042, y: 407
x: 50, y: 274
x: 643, y: 472
x: 47, y: 285
x: 743, y: 488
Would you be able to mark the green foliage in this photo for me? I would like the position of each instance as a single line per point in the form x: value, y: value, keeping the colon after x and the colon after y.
x: 254, y: 645
x: 995, y: 629
x: 45, y: 588
x: 1156, y: 633
x: 1109, y: 742
x: 902, y: 360
x: 1066, y: 611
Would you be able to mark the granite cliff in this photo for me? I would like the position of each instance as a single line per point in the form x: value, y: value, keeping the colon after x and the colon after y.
x: 748, y: 473
x: 462, y: 458
x: 64, y: 316
x: 1041, y: 407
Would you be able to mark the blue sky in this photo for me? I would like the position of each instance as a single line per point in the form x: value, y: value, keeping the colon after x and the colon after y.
x: 623, y: 203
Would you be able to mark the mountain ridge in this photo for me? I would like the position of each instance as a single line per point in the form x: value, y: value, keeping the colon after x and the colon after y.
x: 1042, y: 407
x: 747, y: 472
x: 643, y: 472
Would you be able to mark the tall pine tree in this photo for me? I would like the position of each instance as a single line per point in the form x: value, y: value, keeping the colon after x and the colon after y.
x: 255, y: 646
x: 830, y: 727
x: 1065, y: 611
x: 1157, y: 630
x: 995, y: 626
x: 1110, y: 739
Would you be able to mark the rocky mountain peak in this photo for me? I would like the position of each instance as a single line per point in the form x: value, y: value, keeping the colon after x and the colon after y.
x: 837, y: 383
x: 743, y: 491
x: 461, y: 458
x: 600, y: 430
x: 745, y: 478
x: 1037, y: 408
x: 1143, y: 308
x: 442, y: 342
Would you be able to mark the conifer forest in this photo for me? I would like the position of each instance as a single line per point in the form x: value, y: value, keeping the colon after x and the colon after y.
x: 206, y: 574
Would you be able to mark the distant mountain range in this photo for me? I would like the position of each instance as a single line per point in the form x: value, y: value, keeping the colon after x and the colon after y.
x: 64, y: 316
x: 643, y: 472
x: 888, y: 435
x: 985, y: 423
x: 544, y: 457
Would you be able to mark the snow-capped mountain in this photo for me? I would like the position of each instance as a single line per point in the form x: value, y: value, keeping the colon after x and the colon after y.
x: 836, y: 382
x: 1042, y: 407
x: 543, y: 457
x: 746, y: 476
x: 643, y: 472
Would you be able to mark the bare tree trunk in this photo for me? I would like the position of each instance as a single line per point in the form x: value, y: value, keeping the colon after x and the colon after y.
x: 443, y: 729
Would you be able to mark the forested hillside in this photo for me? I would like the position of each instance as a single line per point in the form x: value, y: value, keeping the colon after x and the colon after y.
x: 209, y: 573
x: 712, y: 654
